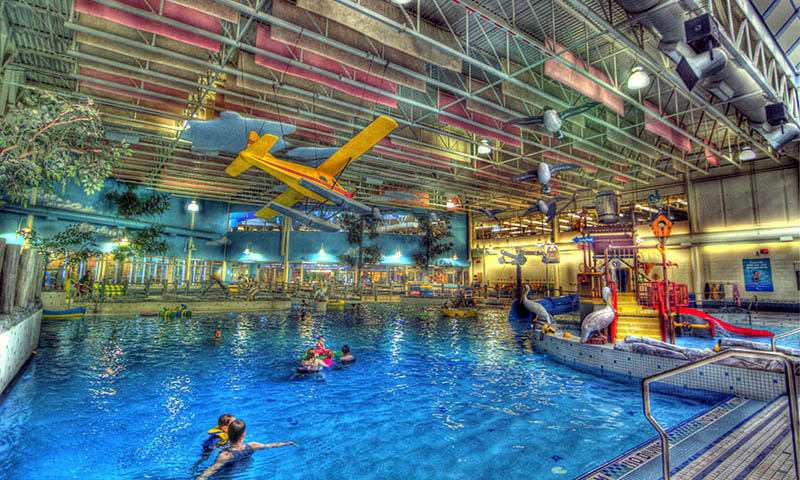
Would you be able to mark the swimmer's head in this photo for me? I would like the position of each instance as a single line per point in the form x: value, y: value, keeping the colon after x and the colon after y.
x: 345, y: 350
x: 236, y: 431
x: 217, y: 333
x: 310, y: 353
x: 225, y: 420
x: 320, y: 340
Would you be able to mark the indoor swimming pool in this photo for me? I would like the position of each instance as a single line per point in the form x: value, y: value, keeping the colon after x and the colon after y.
x: 428, y: 397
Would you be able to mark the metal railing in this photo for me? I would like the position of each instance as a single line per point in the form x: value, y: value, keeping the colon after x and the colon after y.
x: 791, y: 390
x: 775, y: 338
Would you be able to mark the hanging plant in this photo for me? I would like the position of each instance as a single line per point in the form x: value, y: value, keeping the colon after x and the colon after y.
x: 76, y: 243
x: 47, y: 139
x: 145, y: 242
x: 129, y: 204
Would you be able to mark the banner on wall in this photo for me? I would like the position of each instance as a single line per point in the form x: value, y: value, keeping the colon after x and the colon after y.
x: 757, y: 275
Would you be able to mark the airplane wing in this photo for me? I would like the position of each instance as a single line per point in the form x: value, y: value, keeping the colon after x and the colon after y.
x: 287, y: 198
x: 358, y: 145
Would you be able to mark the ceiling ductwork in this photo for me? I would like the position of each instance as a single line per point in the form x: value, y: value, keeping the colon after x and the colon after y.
x: 719, y: 74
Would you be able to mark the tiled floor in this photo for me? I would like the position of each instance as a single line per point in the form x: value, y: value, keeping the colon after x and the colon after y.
x: 737, y: 440
x: 759, y: 449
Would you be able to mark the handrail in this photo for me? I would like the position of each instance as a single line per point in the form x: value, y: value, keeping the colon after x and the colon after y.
x: 791, y: 390
x: 775, y: 338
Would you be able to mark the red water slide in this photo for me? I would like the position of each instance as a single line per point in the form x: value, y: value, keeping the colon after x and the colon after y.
x: 751, y: 332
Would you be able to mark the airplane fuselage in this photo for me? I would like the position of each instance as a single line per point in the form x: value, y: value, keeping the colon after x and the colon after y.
x: 290, y: 173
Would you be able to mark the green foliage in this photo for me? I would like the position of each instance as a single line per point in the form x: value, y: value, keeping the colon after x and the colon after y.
x: 357, y: 227
x: 131, y: 205
x: 46, y: 139
x: 435, y: 241
x: 370, y: 255
x: 146, y: 242
x: 76, y: 242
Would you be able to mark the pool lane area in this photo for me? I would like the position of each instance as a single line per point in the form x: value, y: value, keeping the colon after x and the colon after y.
x: 428, y: 397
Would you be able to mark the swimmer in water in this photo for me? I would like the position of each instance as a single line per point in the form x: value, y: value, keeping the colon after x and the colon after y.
x: 311, y: 362
x: 237, y: 449
x: 219, y: 434
x: 346, y: 358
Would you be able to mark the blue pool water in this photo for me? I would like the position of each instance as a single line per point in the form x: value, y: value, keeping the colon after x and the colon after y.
x: 428, y: 397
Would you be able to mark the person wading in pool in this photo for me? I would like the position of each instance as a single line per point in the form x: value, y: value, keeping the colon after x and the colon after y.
x: 237, y: 449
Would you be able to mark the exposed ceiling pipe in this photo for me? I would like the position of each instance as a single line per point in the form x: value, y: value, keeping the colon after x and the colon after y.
x: 427, y: 79
x: 231, y: 71
x: 725, y: 79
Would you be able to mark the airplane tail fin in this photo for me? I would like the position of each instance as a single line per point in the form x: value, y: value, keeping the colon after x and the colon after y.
x: 256, y: 147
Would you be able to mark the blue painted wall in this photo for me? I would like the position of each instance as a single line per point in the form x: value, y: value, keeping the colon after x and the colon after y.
x: 54, y: 212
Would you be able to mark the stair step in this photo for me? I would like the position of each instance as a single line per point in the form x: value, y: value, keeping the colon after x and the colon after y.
x: 689, y: 442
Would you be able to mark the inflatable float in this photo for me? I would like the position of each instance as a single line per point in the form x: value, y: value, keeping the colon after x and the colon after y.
x: 71, y: 313
x: 178, y: 312
x: 449, y: 312
x: 336, y: 303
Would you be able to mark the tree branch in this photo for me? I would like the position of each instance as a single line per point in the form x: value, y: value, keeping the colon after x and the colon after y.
x: 55, y: 123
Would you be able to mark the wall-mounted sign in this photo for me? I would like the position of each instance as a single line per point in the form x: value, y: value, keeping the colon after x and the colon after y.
x: 757, y: 275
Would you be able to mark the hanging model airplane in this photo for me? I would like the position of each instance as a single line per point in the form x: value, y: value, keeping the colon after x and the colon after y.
x: 552, y: 120
x: 320, y: 183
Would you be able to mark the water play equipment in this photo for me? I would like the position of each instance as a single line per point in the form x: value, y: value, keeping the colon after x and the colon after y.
x: 71, y: 313
x: 715, y: 322
x: 448, y: 312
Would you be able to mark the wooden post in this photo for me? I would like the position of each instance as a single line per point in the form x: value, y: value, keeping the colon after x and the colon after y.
x: 375, y: 291
x: 8, y: 282
x: 2, y: 253
x: 27, y: 262
x: 41, y: 263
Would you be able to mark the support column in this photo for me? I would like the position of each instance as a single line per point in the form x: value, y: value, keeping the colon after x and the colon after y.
x: 286, y: 227
x: 470, y: 243
x: 556, y: 239
x: 189, y: 249
x: 694, y: 227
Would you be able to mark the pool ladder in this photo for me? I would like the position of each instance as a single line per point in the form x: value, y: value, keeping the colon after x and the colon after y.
x: 791, y: 390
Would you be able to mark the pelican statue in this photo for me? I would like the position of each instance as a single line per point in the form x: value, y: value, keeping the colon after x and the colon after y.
x: 542, y: 315
x: 599, y: 319
x: 544, y: 173
x: 552, y: 120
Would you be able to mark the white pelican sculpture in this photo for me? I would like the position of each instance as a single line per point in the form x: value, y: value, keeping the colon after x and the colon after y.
x: 537, y: 309
x: 599, y: 319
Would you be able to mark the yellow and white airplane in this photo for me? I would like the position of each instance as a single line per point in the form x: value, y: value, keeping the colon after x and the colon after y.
x: 316, y: 183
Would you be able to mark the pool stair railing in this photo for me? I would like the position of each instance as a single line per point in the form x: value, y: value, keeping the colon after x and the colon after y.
x: 758, y: 455
x: 695, y: 445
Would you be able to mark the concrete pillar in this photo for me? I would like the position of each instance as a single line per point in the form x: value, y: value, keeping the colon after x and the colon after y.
x: 27, y: 263
x: 8, y: 280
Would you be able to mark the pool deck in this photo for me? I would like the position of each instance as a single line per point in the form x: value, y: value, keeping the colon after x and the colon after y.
x: 738, y: 439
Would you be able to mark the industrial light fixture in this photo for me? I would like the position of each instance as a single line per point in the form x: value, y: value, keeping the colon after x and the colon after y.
x: 193, y: 206
x: 398, y: 253
x: 747, y: 154
x: 123, y: 242
x: 248, y: 249
x: 322, y: 250
x: 638, y: 79
x: 484, y: 148
x: 401, y: 2
x: 450, y: 203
